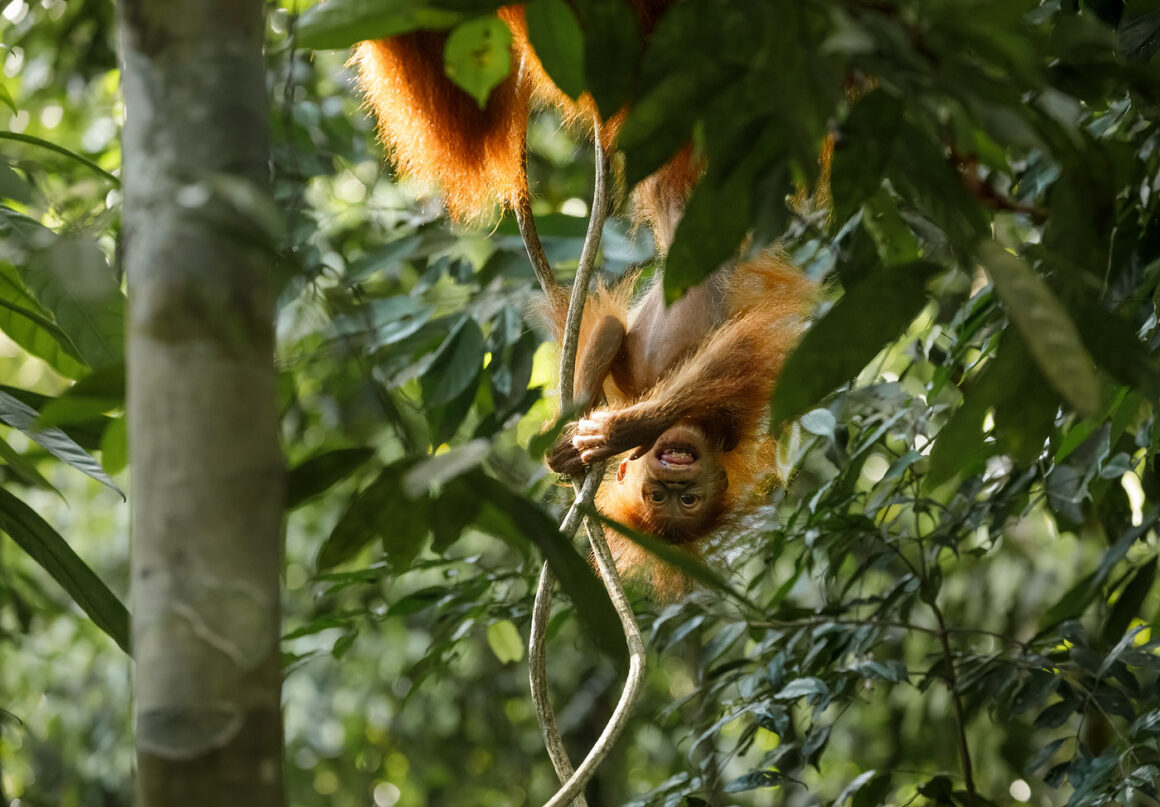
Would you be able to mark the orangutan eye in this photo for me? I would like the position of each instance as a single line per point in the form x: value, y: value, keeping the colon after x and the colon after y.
x: 688, y: 499
x: 657, y: 496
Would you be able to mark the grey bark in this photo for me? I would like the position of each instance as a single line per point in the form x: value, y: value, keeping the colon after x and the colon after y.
x: 207, y: 486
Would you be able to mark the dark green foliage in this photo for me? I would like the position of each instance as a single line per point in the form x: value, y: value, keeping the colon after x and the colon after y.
x: 964, y: 557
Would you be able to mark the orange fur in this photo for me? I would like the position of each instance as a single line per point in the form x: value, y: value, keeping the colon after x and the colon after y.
x: 768, y: 302
x: 436, y: 132
x: 659, y: 200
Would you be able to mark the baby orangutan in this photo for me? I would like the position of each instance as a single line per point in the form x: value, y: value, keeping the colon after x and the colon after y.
x: 685, y: 389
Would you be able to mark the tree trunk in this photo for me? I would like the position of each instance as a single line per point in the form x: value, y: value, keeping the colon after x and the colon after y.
x: 207, y: 470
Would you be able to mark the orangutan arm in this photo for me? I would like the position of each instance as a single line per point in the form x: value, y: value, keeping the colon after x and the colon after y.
x: 594, y: 361
x: 725, y: 384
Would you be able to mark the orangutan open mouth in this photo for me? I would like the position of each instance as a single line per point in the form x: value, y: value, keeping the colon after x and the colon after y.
x: 676, y: 456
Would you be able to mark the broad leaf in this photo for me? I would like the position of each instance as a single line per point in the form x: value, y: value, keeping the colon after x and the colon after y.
x: 1046, y: 328
x: 342, y: 23
x: 514, y: 518
x: 558, y: 40
x: 872, y: 312
x: 478, y: 56
x: 319, y: 473
x: 20, y: 416
x: 44, y: 545
x: 383, y: 509
x: 455, y: 366
x: 31, y: 327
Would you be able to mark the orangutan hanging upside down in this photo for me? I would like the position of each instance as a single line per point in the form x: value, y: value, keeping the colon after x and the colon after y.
x: 685, y: 390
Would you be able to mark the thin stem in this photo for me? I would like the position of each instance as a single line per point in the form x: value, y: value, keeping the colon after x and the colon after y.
x: 531, y: 237
x: 605, y: 563
x: 537, y: 647
x: 636, y: 668
x: 586, y: 491
x: 952, y: 681
x: 951, y: 677
x: 584, y: 271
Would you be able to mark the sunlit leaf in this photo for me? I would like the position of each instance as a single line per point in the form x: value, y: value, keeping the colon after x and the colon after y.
x: 478, y: 56
x: 505, y: 641
x: 27, y: 324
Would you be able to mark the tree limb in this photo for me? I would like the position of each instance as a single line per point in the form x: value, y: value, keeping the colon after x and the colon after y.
x: 574, y: 781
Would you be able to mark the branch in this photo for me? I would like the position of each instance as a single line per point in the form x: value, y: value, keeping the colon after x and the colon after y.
x: 569, y: 346
x: 531, y: 237
x: 574, y: 781
x: 537, y: 642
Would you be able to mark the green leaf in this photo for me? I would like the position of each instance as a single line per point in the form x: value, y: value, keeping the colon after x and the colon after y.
x: 457, y: 507
x: 23, y: 417
x: 115, y: 445
x: 24, y: 469
x: 1076, y: 600
x: 45, y: 546
x: 319, y: 473
x: 72, y: 280
x: 53, y: 147
x: 381, y: 509
x: 612, y: 46
x: 1129, y: 604
x: 673, y: 94
x: 342, y: 23
x: 873, y: 792
x: 478, y: 56
x: 862, y: 152
x: 1010, y: 376
x: 803, y: 687
x: 1116, y: 347
x: 441, y: 468
x: 874, y: 310
x: 6, y: 99
x: 456, y: 365
x: 1025, y: 407
x: 505, y: 641
x: 705, y: 239
x: 27, y: 324
x: 89, y: 398
x: 1046, y: 328
x: 1055, y: 715
x: 679, y: 559
x: 923, y: 176
x: 514, y: 518
x: 558, y: 40
x: 755, y: 780
x: 892, y: 236
x: 1140, y: 37
x: 12, y: 185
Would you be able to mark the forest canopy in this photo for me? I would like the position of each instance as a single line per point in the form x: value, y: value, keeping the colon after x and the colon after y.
x: 949, y: 601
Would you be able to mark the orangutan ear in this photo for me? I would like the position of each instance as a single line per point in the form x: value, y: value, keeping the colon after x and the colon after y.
x: 622, y: 470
